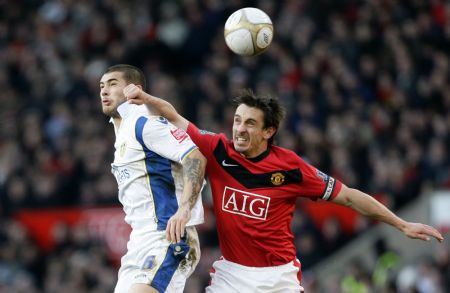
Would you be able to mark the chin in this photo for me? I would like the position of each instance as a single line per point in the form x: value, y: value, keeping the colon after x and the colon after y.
x: 237, y: 148
x: 109, y: 111
x: 240, y: 149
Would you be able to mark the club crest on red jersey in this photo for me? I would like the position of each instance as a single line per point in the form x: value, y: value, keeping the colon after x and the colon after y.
x: 244, y: 203
x: 277, y: 178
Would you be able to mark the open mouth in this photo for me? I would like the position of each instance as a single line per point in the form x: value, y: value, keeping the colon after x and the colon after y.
x: 241, y: 141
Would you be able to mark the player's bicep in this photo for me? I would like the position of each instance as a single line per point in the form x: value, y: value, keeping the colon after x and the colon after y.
x: 168, y: 141
x: 194, y: 165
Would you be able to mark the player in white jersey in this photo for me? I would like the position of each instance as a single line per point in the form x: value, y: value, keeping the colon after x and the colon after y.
x: 159, y: 172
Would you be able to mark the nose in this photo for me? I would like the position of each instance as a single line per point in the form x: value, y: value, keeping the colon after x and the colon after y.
x: 241, y: 127
x: 103, y: 92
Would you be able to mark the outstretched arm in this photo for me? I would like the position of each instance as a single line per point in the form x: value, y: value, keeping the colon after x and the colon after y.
x: 368, y: 206
x: 135, y: 95
x: 193, y: 174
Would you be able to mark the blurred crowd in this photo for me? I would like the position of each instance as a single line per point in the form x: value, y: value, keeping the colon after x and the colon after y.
x: 366, y: 85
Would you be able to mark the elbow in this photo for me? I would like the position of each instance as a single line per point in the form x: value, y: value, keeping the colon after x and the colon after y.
x: 204, y: 161
x: 344, y: 197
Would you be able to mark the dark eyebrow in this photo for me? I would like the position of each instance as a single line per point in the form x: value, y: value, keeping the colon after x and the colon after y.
x: 109, y: 80
x: 246, y: 121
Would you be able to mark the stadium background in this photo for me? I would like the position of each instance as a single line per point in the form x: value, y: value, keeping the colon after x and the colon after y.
x: 366, y: 85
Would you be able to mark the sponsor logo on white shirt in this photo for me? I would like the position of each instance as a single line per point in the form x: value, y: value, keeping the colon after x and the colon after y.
x: 121, y: 174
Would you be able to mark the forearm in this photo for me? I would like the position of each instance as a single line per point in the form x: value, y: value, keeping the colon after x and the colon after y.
x: 193, y: 176
x: 166, y: 109
x: 368, y: 206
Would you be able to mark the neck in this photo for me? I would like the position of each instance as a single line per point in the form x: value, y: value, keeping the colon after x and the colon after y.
x: 117, y: 120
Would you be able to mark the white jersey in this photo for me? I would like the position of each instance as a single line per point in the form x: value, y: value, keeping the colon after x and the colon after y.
x: 147, y: 166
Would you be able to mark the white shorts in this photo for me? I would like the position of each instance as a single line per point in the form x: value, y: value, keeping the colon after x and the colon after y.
x: 230, y: 277
x: 151, y: 259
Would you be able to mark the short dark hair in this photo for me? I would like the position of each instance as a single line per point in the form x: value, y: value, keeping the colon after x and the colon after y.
x: 273, y: 111
x: 131, y: 74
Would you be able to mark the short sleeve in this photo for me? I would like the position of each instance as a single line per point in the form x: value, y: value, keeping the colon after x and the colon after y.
x: 318, y: 185
x: 164, y: 138
x: 205, y: 140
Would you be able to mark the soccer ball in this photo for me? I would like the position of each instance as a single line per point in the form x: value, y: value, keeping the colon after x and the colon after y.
x: 248, y: 31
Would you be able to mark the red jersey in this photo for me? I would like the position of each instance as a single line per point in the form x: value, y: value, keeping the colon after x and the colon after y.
x: 254, y: 199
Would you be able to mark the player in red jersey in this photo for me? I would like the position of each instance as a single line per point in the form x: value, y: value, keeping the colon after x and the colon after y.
x: 255, y: 185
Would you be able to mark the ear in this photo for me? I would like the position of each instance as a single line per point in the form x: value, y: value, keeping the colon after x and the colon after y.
x: 269, y: 132
x: 139, y: 86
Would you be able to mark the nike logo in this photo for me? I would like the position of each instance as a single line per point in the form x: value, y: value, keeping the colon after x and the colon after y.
x: 228, y: 165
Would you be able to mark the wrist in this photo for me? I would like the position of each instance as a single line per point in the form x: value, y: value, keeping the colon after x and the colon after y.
x: 402, y: 225
x: 184, y: 205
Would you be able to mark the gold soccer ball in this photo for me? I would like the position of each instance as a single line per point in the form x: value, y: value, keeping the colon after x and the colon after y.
x: 248, y: 31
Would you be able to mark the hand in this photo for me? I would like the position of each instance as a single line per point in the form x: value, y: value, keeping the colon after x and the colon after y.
x: 177, y: 223
x: 421, y: 231
x: 133, y: 93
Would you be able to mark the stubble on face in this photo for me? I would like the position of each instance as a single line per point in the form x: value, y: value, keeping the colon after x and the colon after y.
x: 247, y: 131
x: 110, y: 111
x: 111, y: 93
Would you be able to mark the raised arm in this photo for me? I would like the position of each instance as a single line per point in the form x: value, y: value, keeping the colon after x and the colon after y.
x: 193, y: 174
x: 135, y: 95
x: 368, y: 206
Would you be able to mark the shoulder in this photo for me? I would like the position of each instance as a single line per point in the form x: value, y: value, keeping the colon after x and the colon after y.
x: 286, y: 153
x: 154, y: 127
x: 288, y: 157
x: 204, y: 135
x: 158, y: 120
x: 144, y: 119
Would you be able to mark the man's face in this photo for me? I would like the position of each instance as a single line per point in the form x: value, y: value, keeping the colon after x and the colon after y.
x: 249, y: 137
x: 111, y: 92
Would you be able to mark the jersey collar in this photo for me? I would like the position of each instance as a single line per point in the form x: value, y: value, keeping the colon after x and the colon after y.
x: 261, y: 156
x: 124, y: 110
